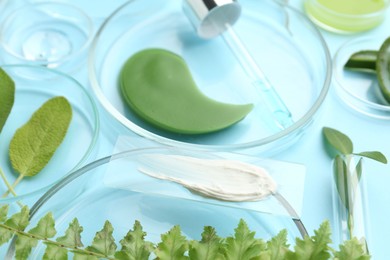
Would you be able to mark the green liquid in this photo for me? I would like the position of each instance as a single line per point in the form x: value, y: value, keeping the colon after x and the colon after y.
x: 346, y: 15
x: 157, y: 85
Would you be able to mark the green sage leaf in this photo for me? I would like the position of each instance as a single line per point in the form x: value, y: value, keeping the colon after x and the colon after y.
x: 7, y: 97
x: 104, y: 242
x: 134, y: 245
x: 72, y: 237
x: 374, y: 155
x: 208, y: 248
x: 339, y: 141
x: 173, y: 245
x: 34, y: 143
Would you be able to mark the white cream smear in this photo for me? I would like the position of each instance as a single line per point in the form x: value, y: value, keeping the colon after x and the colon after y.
x: 223, y: 179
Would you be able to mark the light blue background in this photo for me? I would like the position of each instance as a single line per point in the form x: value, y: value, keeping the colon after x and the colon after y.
x: 366, y: 133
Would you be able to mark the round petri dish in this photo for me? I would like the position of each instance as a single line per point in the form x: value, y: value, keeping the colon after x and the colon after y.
x: 342, y: 17
x: 84, y: 196
x: 55, y: 35
x: 34, y: 85
x: 101, y: 10
x: 284, y: 43
x: 359, y: 90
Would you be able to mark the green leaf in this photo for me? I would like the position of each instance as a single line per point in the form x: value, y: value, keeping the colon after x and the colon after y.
x: 45, y: 227
x: 72, y: 236
x: 122, y: 255
x: 352, y: 250
x: 19, y: 221
x: 5, y: 235
x: 3, y: 213
x: 172, y: 246
x: 340, y: 174
x: 339, y: 141
x: 359, y: 169
x: 208, y: 248
x: 7, y: 97
x: 55, y: 252
x: 80, y: 255
x: 375, y: 155
x: 277, y: 247
x: 134, y: 246
x: 104, y: 242
x: 315, y: 247
x: 34, y: 143
x: 243, y: 245
x: 23, y: 247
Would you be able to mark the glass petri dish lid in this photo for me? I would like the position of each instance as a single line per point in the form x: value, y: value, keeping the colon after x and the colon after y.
x: 34, y: 85
x: 84, y: 195
x: 56, y: 35
x: 359, y: 90
x: 98, y: 13
x: 285, y: 44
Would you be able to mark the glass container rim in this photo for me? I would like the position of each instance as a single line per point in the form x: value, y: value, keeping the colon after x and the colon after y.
x: 366, y: 15
x: 95, y: 121
x: 68, y: 179
x: 89, y: 30
x: 340, y: 85
x: 296, y: 127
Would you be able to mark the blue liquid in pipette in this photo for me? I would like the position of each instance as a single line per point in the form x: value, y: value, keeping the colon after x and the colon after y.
x: 269, y: 97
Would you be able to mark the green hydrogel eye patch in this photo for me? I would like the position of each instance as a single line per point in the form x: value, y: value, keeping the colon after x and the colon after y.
x: 157, y: 85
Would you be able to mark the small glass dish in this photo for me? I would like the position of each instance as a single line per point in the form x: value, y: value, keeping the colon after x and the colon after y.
x: 34, y: 85
x: 83, y: 195
x: 55, y: 35
x: 345, y: 21
x: 100, y: 11
x: 359, y: 90
x: 287, y: 46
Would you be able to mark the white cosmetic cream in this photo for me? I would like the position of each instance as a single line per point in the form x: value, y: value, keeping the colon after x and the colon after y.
x: 222, y: 179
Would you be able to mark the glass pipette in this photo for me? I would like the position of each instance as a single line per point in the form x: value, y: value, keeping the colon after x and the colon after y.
x: 213, y: 18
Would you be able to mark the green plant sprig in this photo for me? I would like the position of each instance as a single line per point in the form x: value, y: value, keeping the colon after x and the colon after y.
x: 344, y: 170
x: 343, y: 145
x: 173, y: 245
x: 34, y: 143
